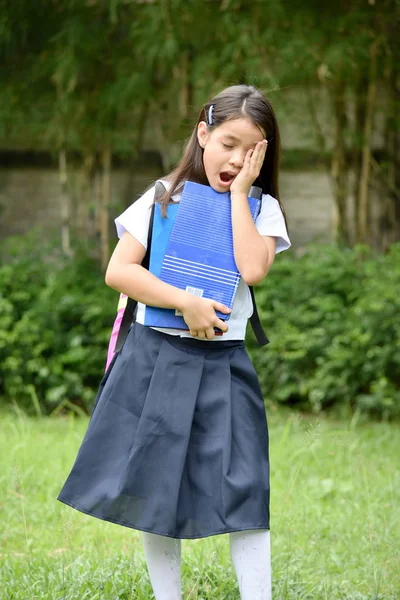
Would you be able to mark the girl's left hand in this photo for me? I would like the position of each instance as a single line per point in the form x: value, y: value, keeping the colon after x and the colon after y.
x: 251, y: 169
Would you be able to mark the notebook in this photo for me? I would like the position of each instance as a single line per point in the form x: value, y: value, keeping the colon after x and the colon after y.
x: 192, y: 249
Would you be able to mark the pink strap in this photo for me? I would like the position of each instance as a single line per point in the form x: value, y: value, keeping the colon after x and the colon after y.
x: 115, y: 330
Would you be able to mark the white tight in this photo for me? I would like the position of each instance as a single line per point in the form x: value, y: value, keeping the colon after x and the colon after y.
x: 251, y: 557
x: 163, y: 557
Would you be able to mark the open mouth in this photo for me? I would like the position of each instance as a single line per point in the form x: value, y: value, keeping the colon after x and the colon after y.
x: 226, y: 178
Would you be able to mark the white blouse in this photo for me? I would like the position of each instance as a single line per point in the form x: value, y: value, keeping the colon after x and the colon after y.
x: 136, y: 218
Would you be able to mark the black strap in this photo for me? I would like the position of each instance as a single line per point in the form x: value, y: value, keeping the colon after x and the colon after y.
x: 129, y: 315
x: 256, y: 323
x: 256, y: 192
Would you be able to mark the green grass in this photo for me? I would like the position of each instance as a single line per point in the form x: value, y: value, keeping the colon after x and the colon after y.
x: 335, y: 519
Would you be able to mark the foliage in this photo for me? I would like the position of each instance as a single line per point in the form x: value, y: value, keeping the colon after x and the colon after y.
x: 335, y: 337
x: 331, y: 315
x: 88, y: 77
x: 81, y: 71
x: 60, y: 313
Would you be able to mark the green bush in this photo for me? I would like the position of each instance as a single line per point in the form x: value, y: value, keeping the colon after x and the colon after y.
x: 332, y: 318
x: 54, y: 330
x: 331, y: 315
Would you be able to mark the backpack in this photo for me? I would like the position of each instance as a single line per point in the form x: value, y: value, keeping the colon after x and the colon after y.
x: 127, y: 307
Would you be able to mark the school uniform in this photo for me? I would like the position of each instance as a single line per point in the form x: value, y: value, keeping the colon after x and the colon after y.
x: 177, y: 444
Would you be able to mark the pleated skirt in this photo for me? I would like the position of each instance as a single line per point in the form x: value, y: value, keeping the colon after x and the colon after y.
x: 177, y: 443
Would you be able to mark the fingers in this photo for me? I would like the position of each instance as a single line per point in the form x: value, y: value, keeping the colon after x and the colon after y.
x: 248, y: 156
x: 259, y: 153
x: 255, y: 156
x: 251, y: 168
x: 221, y: 325
x: 209, y: 334
x: 221, y: 307
x: 252, y: 164
x: 201, y: 324
x: 204, y: 334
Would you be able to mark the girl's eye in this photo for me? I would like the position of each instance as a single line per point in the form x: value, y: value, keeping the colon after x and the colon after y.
x: 227, y: 146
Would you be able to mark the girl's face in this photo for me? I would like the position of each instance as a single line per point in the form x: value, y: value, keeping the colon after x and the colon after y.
x: 225, y: 148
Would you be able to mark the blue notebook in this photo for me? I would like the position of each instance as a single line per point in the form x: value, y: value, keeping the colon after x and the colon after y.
x: 192, y: 249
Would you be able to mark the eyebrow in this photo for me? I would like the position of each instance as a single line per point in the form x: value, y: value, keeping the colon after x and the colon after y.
x: 231, y: 137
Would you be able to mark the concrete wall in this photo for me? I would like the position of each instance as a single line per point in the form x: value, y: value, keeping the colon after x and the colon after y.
x: 30, y: 197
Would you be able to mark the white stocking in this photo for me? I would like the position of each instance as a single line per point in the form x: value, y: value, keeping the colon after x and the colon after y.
x: 163, y: 557
x: 251, y: 557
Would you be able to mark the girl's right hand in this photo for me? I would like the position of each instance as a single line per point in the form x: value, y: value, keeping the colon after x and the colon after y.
x: 201, y: 318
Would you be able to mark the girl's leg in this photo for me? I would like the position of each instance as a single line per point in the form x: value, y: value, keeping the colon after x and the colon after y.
x: 251, y: 557
x: 163, y: 557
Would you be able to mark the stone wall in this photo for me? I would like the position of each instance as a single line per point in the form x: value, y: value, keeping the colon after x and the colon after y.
x: 30, y: 197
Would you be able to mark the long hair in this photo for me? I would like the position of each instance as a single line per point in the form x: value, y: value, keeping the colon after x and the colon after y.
x: 234, y: 102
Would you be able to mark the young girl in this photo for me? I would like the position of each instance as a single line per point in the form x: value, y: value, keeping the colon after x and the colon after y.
x: 177, y: 445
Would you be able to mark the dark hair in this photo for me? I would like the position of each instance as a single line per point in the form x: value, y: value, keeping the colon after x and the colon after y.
x: 234, y: 102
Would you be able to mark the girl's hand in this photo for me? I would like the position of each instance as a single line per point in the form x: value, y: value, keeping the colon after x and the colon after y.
x: 199, y: 314
x: 251, y: 169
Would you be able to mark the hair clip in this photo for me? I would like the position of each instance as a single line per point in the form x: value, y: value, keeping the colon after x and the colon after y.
x: 210, y: 115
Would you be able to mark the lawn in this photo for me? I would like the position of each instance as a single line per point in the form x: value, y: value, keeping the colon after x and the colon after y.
x: 335, y: 519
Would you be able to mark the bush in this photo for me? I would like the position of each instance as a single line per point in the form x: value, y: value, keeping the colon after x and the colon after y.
x: 332, y: 317
x: 58, y: 316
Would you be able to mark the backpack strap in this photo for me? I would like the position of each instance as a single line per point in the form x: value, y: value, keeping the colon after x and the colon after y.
x: 256, y: 323
x: 256, y: 192
x: 131, y: 305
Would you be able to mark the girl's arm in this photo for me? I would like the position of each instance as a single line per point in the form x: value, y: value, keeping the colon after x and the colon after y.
x: 125, y: 274
x: 254, y: 253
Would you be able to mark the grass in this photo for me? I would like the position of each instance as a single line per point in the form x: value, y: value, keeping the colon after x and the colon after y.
x: 335, y: 519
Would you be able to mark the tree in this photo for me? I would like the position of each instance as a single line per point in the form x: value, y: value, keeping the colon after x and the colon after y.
x: 91, y: 79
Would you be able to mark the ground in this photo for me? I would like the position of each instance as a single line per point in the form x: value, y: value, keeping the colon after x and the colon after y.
x: 335, y: 524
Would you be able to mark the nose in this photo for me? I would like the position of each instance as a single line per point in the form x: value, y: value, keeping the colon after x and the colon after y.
x: 237, y: 158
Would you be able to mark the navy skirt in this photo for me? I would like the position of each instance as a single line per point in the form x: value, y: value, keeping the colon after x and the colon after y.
x: 177, y: 444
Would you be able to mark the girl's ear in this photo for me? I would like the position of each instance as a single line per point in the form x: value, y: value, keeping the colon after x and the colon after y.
x: 202, y: 133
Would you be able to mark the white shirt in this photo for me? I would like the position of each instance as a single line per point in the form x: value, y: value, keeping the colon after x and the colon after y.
x: 136, y: 218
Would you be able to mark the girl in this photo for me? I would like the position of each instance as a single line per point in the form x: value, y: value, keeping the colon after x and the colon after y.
x: 177, y: 445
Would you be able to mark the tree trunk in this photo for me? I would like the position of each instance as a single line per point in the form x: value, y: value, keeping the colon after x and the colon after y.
x: 84, y: 231
x: 390, y: 217
x: 339, y: 170
x: 65, y: 203
x: 190, y: 82
x: 363, y: 196
x: 182, y: 75
x: 104, y: 204
x: 162, y: 143
x: 313, y: 112
x: 138, y: 146
x: 395, y: 194
x: 97, y: 190
x: 186, y: 91
x: 359, y: 120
